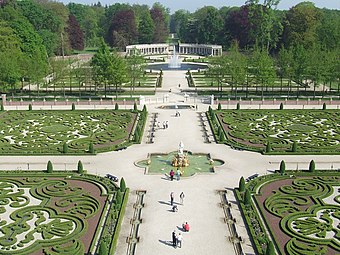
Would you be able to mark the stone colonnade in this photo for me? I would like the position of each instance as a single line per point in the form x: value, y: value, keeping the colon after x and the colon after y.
x: 184, y: 49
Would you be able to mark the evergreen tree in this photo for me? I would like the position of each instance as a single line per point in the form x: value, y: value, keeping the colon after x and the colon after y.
x: 294, y: 146
x: 281, y: 106
x: 324, y: 106
x: 312, y: 166
x: 80, y: 168
x: 116, y: 106
x: 65, y: 148
x: 122, y: 185
x: 247, y: 197
x: 49, y: 167
x: 91, y: 148
x: 103, y: 249
x: 219, y: 107
x: 282, y: 167
x: 268, y: 147
x: 241, y: 185
x: 270, y: 249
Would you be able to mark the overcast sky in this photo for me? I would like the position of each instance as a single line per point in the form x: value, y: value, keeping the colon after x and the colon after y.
x: 193, y: 5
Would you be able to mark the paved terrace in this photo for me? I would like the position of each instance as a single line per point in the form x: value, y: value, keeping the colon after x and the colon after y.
x: 209, y: 234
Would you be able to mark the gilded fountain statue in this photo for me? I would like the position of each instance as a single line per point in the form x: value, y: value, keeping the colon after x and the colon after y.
x: 180, y: 159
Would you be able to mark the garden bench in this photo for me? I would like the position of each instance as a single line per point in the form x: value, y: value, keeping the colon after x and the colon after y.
x: 252, y: 177
x: 112, y: 177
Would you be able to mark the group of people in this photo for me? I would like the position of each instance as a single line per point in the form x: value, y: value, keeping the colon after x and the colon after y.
x: 177, y: 239
x: 172, y: 174
x: 177, y: 114
x: 165, y: 124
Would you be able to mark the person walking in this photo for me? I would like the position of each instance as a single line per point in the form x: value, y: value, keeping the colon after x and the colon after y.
x: 174, y: 239
x: 179, y: 240
x: 178, y: 174
x: 172, y: 198
x: 181, y: 196
x: 172, y: 173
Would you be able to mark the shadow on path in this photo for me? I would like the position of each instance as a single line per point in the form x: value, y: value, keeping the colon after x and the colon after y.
x: 169, y: 243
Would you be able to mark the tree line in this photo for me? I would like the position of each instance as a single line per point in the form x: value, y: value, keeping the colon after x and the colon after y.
x: 32, y: 31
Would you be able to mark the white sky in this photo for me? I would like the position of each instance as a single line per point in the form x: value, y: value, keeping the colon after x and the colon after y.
x: 193, y: 5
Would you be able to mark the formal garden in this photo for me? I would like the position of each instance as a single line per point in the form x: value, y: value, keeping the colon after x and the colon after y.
x: 59, y: 212
x: 299, y: 209
x: 278, y: 131
x: 69, y: 131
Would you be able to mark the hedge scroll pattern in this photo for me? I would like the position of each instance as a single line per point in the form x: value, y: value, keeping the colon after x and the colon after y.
x: 46, y: 132
x: 309, y: 212
x: 314, y: 131
x: 47, y: 215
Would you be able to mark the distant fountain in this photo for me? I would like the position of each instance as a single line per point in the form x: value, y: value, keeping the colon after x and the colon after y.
x: 174, y: 61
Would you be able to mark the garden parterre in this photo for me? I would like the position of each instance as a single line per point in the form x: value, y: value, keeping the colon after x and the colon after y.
x: 301, y: 212
x: 46, y: 132
x: 314, y: 131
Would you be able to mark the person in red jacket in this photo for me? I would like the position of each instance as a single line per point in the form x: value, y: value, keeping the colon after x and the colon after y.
x: 172, y: 173
x: 186, y: 227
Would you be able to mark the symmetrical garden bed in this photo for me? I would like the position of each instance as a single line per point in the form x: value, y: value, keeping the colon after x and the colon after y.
x: 49, y: 132
x: 301, y: 211
x: 56, y: 213
x: 279, y: 131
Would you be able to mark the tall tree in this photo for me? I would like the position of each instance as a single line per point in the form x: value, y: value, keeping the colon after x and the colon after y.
x: 75, y: 34
x: 160, y: 19
x: 301, y: 23
x: 123, y: 29
x: 145, y: 27
x: 265, y: 25
x: 135, y: 68
x: 209, y: 24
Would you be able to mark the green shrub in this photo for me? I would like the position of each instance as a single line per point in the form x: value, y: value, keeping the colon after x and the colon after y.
x: 324, y: 106
x: 103, y: 249
x: 49, y: 167
x: 312, y: 166
x: 118, y: 199
x: 221, y: 137
x: 270, y: 249
x: 122, y: 185
x: 282, y: 167
x: 65, y: 148
x: 281, y: 106
x: 80, y: 167
x: 294, y: 146
x: 30, y: 107
x: 247, y: 197
x: 135, y: 106
x: 144, y: 108
x: 219, y: 107
x: 2, y: 108
x: 73, y: 106
x: 268, y: 147
x: 91, y: 148
x: 238, y: 106
x: 116, y: 106
x: 241, y: 184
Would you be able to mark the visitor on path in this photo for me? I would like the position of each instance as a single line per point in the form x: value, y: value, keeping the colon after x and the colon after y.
x: 175, y: 208
x: 179, y: 240
x: 172, y: 173
x: 178, y: 174
x: 174, y: 239
x: 181, y: 197
x: 186, y: 227
x: 172, y: 198
x: 166, y: 124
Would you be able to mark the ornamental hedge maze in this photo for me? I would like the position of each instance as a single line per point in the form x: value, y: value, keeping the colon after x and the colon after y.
x: 301, y: 212
x: 278, y: 131
x: 58, y: 213
x: 71, y: 132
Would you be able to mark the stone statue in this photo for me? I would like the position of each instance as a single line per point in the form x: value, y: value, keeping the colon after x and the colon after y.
x: 181, y: 148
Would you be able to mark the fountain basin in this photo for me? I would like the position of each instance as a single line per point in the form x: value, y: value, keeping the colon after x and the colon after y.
x: 160, y: 163
x: 185, y: 67
x: 177, y: 106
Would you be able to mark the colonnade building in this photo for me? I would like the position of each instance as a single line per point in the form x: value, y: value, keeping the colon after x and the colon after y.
x: 182, y: 48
